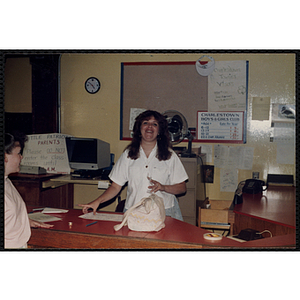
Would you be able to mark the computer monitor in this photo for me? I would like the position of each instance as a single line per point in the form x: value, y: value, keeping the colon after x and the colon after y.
x: 88, y: 153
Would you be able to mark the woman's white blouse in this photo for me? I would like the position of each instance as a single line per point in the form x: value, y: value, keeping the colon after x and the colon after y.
x: 135, y: 172
x: 17, y: 227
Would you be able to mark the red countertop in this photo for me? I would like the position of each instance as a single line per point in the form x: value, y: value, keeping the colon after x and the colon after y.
x: 175, y: 231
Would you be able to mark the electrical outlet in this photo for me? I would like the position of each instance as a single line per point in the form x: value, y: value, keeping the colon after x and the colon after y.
x: 255, y: 175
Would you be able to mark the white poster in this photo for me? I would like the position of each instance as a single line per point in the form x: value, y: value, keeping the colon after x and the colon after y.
x: 238, y: 157
x: 207, y: 149
x: 227, y: 86
x: 48, y: 151
x: 261, y: 108
x: 284, y: 137
x: 220, y: 126
x: 285, y: 153
x: 284, y: 133
x: 228, y: 180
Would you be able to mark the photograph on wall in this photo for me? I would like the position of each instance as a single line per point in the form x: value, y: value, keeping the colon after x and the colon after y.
x: 283, y: 113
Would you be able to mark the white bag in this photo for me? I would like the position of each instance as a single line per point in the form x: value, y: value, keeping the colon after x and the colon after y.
x: 147, y: 215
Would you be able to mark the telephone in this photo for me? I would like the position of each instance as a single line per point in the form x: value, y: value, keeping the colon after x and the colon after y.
x: 254, y: 186
x: 249, y: 235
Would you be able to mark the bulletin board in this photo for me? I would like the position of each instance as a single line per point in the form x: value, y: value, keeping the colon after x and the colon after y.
x: 163, y: 86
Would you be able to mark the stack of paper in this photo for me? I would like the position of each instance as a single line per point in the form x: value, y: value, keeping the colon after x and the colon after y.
x: 40, y: 217
x: 103, y: 217
x: 49, y: 210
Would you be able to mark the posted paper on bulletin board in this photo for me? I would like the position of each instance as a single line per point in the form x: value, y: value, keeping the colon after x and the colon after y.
x: 228, y: 86
x: 218, y: 127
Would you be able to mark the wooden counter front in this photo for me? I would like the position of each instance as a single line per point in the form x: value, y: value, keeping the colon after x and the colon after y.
x: 35, y: 192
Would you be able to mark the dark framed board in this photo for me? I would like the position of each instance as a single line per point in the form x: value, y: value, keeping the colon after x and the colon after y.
x: 162, y: 86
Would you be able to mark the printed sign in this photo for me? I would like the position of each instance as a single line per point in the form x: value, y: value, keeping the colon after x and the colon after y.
x: 220, y: 127
x: 48, y: 151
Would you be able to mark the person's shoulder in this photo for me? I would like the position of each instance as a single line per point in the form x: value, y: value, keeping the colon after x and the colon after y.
x: 126, y: 150
x: 124, y: 153
x: 173, y: 153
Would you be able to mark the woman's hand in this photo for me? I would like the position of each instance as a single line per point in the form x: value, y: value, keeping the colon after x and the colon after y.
x: 155, y: 186
x: 85, y: 207
x: 39, y: 224
x: 110, y: 193
x: 175, y: 189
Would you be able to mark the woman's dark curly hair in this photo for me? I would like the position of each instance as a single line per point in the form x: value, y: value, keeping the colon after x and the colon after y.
x: 163, y: 139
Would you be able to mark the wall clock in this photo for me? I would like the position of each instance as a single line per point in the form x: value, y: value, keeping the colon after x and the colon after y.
x: 92, y: 85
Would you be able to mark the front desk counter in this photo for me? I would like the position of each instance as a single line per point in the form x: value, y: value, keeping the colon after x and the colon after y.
x: 176, y: 235
x: 274, y: 210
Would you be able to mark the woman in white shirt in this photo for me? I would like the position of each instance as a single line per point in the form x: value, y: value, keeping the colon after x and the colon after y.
x: 17, y: 224
x: 149, y: 165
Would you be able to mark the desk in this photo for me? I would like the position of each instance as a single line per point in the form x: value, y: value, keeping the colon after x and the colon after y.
x: 52, y: 190
x: 86, y: 190
x: 274, y: 210
x: 40, y: 191
x: 176, y: 235
x: 77, y: 180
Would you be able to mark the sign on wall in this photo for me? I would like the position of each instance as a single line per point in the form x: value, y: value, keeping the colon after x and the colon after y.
x: 220, y: 127
x: 48, y: 151
x: 228, y: 86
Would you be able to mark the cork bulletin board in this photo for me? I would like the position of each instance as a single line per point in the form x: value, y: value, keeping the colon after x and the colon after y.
x: 162, y: 86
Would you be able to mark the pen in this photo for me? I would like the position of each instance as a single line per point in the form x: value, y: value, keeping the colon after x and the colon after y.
x: 91, y: 224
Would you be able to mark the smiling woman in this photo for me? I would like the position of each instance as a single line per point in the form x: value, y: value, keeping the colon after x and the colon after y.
x: 149, y: 132
x: 148, y: 159
x: 162, y: 138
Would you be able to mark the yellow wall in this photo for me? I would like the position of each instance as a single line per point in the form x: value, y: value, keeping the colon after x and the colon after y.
x: 82, y: 114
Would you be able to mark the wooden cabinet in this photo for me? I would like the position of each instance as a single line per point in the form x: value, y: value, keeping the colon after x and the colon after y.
x: 37, y: 190
x: 195, y: 188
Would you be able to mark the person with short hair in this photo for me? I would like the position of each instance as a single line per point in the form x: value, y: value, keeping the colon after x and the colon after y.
x: 17, y: 225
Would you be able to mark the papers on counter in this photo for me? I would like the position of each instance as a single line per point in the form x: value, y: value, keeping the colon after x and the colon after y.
x: 102, y: 216
x: 49, y: 210
x: 40, y: 217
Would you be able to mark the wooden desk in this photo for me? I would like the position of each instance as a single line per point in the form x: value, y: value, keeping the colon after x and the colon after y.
x: 274, y: 210
x: 176, y: 235
x: 36, y: 190
x: 53, y: 190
